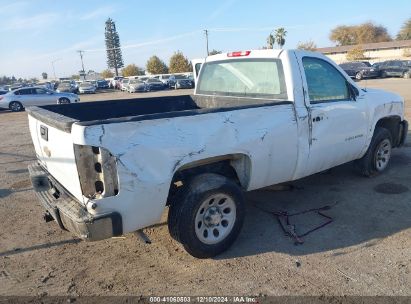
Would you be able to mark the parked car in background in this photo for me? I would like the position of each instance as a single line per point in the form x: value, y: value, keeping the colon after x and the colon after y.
x: 66, y: 87
x: 153, y: 84
x: 183, y: 83
x: 395, y: 68
x: 102, y: 84
x: 136, y: 85
x: 87, y: 87
x: 19, y: 99
x: 124, y: 84
x: 359, y: 70
x: 116, y: 82
x: 15, y: 86
x: 3, y: 91
x: 165, y: 79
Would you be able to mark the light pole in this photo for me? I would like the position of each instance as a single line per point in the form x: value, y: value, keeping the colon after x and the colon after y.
x: 54, y: 70
x: 82, y: 63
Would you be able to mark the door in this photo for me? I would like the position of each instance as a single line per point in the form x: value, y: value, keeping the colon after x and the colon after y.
x: 43, y: 97
x: 338, y: 117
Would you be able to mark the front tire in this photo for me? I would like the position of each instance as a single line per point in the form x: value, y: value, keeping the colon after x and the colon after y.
x: 15, y: 106
x: 207, y: 215
x: 378, y: 155
x: 63, y: 100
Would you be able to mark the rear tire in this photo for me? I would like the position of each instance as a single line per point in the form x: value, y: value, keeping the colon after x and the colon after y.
x: 207, y: 215
x: 407, y: 75
x: 378, y: 155
x: 358, y: 76
x: 16, y: 106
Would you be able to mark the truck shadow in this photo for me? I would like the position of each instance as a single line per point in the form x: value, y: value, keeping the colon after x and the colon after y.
x: 38, y: 247
x: 367, y: 210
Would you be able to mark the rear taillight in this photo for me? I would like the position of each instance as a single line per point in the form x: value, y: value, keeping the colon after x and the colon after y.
x: 97, y: 170
x: 238, y: 54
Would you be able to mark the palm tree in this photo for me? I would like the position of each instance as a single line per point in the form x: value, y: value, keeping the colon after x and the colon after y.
x: 279, y: 35
x: 270, y: 41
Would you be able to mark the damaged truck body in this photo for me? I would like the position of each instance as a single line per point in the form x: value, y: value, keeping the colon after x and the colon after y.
x: 257, y: 118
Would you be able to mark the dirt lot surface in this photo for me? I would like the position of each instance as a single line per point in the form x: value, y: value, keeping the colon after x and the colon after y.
x: 365, y: 251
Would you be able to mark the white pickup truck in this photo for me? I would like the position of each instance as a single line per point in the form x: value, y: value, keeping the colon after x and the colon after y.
x: 257, y: 118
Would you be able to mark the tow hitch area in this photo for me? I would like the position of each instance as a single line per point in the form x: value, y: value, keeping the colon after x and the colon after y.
x: 48, y: 217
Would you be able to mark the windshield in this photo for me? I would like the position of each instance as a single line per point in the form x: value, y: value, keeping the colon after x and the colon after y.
x: 254, y: 78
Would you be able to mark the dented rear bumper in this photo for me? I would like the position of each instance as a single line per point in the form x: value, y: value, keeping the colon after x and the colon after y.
x: 68, y: 212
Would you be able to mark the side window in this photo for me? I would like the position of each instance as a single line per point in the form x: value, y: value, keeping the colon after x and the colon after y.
x: 23, y: 92
x: 325, y: 83
x: 40, y: 91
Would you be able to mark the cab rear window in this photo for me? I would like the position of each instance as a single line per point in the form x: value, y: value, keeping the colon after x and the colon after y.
x: 252, y: 78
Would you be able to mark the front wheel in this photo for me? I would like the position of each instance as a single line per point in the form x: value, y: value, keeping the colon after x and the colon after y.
x: 15, y: 106
x: 207, y: 215
x: 63, y: 100
x: 358, y: 76
x: 378, y: 155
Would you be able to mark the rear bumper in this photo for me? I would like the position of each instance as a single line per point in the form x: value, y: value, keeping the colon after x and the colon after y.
x: 68, y: 212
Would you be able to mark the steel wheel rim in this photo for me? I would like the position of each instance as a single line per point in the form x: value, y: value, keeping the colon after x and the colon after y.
x: 382, y: 155
x: 15, y: 106
x: 358, y: 76
x: 215, y: 218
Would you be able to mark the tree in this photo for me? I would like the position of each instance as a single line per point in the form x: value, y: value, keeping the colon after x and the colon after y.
x: 270, y: 41
x: 156, y: 66
x: 107, y: 73
x: 279, y: 35
x: 356, y: 53
x: 131, y: 70
x: 359, y: 34
x: 308, y: 45
x: 44, y: 75
x: 214, y: 52
x: 179, y: 63
x: 114, y: 57
x: 405, y: 31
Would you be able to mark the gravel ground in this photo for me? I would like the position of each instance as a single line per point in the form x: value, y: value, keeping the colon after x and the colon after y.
x: 365, y: 251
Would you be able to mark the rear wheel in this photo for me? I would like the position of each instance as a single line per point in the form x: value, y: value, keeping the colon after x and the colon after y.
x: 207, y: 215
x: 358, y: 76
x: 407, y: 75
x: 15, y: 106
x: 378, y: 154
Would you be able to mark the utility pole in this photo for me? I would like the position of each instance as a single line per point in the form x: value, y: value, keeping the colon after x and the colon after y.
x: 54, y: 70
x: 82, y: 64
x: 206, y: 35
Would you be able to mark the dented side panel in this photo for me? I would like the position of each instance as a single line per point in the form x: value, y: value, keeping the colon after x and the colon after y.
x: 148, y: 154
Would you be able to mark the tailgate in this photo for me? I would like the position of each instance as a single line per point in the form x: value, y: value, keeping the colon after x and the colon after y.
x: 55, y: 151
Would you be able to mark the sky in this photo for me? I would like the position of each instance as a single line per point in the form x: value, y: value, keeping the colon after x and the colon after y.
x: 35, y: 33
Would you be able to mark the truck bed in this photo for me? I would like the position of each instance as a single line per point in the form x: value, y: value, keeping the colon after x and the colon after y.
x: 63, y: 116
x: 111, y: 111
